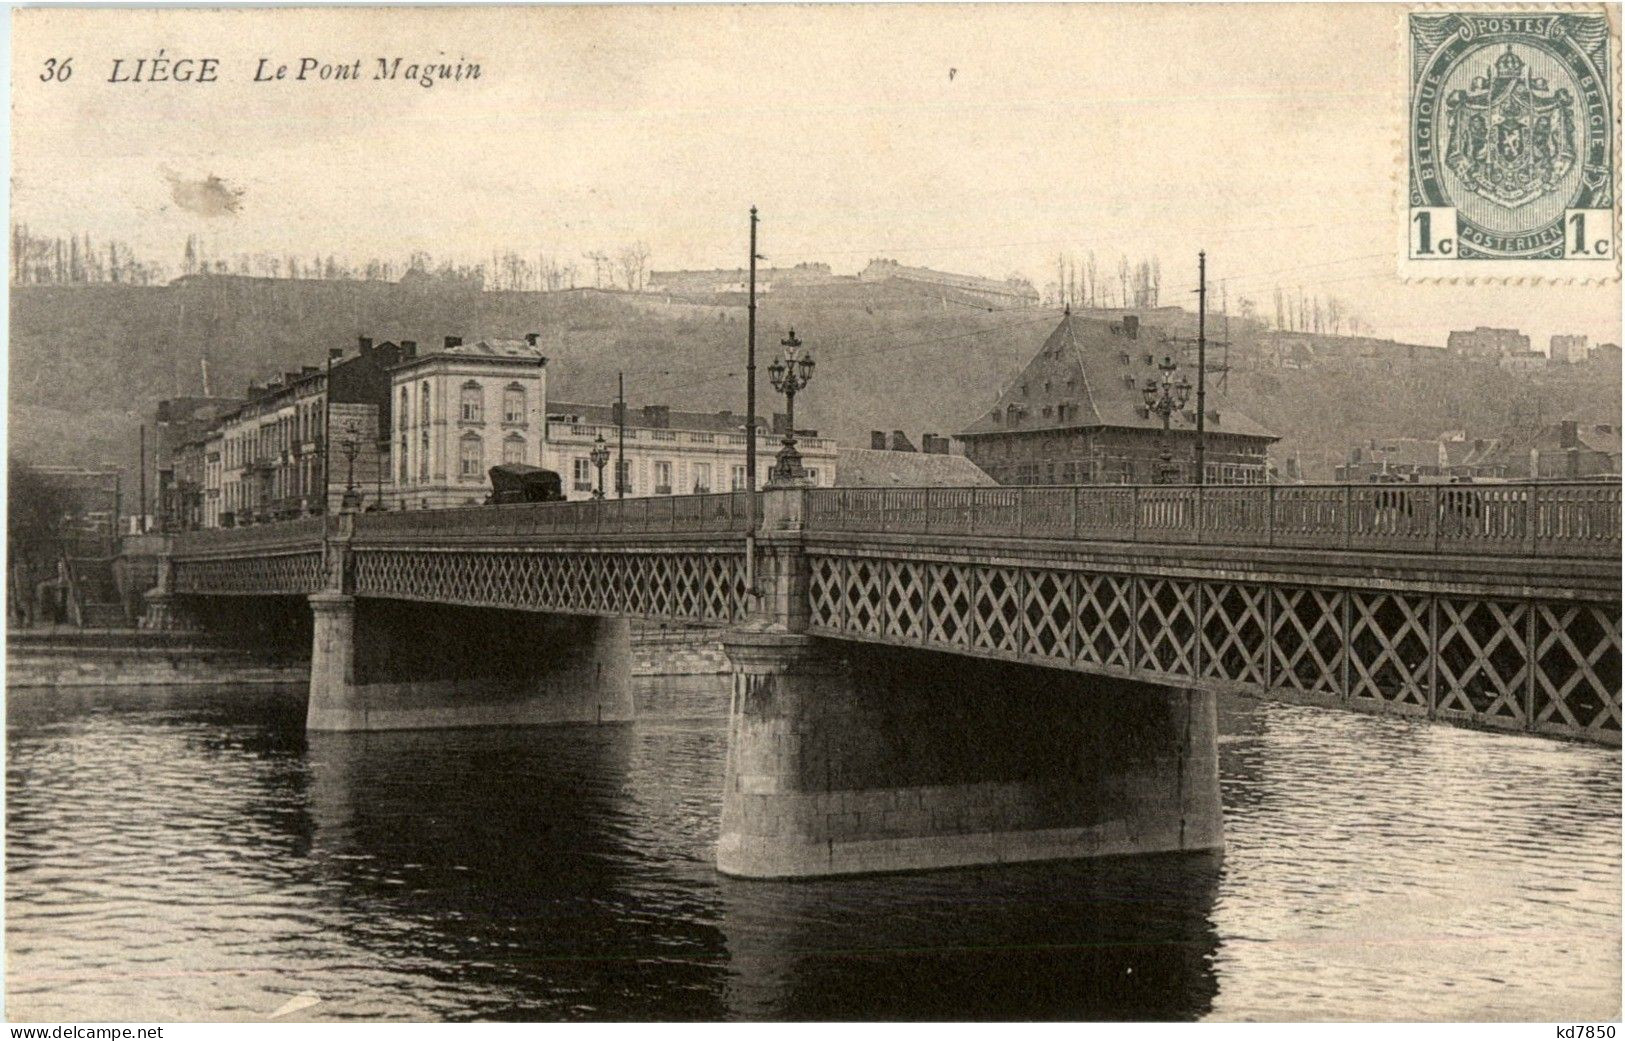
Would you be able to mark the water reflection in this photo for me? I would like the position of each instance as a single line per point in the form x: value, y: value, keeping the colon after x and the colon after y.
x: 1126, y: 938
x: 190, y: 854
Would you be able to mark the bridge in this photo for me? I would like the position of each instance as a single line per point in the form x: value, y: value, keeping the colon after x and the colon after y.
x: 926, y: 677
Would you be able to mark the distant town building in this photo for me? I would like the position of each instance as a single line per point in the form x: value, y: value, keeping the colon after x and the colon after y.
x: 995, y: 292
x: 671, y: 451
x: 1076, y: 415
x: 274, y: 459
x: 1422, y: 459
x: 1605, y: 354
x: 1523, y: 362
x: 721, y: 281
x: 181, y: 425
x: 1565, y: 450
x: 1486, y: 344
x: 884, y: 467
x: 1567, y: 350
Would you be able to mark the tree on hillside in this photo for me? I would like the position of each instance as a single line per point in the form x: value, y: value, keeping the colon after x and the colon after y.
x: 632, y: 260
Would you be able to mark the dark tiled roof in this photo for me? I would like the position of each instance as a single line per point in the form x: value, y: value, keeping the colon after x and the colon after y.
x: 1088, y: 374
x: 878, y: 468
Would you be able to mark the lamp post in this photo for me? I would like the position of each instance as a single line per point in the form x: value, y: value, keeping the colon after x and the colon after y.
x: 790, y: 374
x: 600, y: 459
x: 350, y: 445
x: 1164, y: 397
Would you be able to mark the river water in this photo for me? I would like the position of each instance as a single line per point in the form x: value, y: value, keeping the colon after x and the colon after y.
x: 193, y: 854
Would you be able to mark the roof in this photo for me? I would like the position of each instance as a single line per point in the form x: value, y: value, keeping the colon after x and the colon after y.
x: 482, y: 350
x: 879, y: 468
x: 676, y: 419
x: 1088, y: 373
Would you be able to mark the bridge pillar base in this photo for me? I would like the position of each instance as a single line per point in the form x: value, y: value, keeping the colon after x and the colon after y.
x: 163, y: 612
x: 851, y: 758
x: 394, y: 665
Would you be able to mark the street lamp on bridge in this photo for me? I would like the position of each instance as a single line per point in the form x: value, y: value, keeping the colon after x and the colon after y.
x: 1164, y: 397
x: 350, y: 445
x: 600, y: 459
x: 790, y: 374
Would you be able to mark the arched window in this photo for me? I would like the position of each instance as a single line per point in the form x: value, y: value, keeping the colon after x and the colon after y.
x: 473, y: 403
x: 513, y: 449
x: 471, y: 455
x: 513, y: 404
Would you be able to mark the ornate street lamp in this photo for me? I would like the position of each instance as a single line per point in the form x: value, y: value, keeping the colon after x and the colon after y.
x: 350, y: 445
x: 1165, y: 397
x: 789, y: 374
x: 600, y: 459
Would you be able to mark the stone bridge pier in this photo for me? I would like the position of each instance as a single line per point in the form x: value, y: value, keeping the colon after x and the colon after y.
x: 847, y: 758
x: 384, y: 664
x: 400, y: 665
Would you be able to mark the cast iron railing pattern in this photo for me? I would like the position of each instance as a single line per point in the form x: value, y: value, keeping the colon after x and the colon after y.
x: 691, y: 586
x: 1556, y: 519
x: 1551, y: 668
x: 267, y: 573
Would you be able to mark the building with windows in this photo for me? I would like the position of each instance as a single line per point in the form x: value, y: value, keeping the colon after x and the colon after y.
x: 670, y: 451
x: 1076, y: 415
x: 1568, y: 350
x: 458, y: 412
x: 276, y: 460
x: 1486, y: 344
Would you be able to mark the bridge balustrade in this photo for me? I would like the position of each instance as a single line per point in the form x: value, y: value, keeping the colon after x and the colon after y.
x: 715, y: 512
x: 1552, y: 519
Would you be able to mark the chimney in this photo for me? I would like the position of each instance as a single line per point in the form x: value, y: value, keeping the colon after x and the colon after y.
x: 931, y: 444
x: 531, y: 338
x: 365, y: 345
x: 657, y: 416
x: 453, y: 341
x: 1568, y: 434
x: 409, y: 348
x: 306, y: 370
x: 335, y: 354
x: 877, y: 439
x: 1131, y: 326
x: 900, y: 442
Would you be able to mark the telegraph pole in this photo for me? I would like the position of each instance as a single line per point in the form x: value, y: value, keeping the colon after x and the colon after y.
x: 750, y: 420
x: 1201, y: 367
x: 620, y: 435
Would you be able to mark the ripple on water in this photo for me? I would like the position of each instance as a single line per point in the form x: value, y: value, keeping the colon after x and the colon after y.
x: 177, y: 855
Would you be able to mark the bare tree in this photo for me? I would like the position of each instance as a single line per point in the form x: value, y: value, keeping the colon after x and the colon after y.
x: 632, y: 260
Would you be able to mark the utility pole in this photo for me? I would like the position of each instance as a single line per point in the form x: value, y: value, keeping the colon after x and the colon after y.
x: 750, y: 420
x: 1201, y: 367
x: 141, y: 524
x: 620, y: 435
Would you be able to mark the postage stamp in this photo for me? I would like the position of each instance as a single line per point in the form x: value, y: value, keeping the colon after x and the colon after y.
x: 1511, y: 144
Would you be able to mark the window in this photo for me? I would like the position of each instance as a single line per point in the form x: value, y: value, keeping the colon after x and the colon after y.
x: 473, y: 404
x: 423, y: 457
x: 513, y: 404
x: 423, y: 405
x: 702, y: 477
x: 812, y: 474
x: 406, y: 474
x: 662, y: 477
x: 401, y: 419
x: 738, y: 479
x: 513, y: 449
x: 471, y: 456
x: 581, y: 474
x: 623, y: 478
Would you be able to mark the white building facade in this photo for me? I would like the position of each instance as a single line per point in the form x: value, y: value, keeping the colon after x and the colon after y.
x: 668, y: 452
x: 460, y: 411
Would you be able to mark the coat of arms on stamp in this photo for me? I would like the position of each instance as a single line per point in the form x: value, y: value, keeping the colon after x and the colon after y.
x: 1511, y: 137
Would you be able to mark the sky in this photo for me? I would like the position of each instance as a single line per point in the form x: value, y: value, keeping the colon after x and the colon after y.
x: 969, y: 138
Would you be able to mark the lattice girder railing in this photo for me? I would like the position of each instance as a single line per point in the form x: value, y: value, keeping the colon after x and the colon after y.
x: 288, y: 572
x: 691, y: 585
x: 1546, y: 667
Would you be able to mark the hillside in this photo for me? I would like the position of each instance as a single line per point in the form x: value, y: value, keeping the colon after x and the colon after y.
x: 88, y: 362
